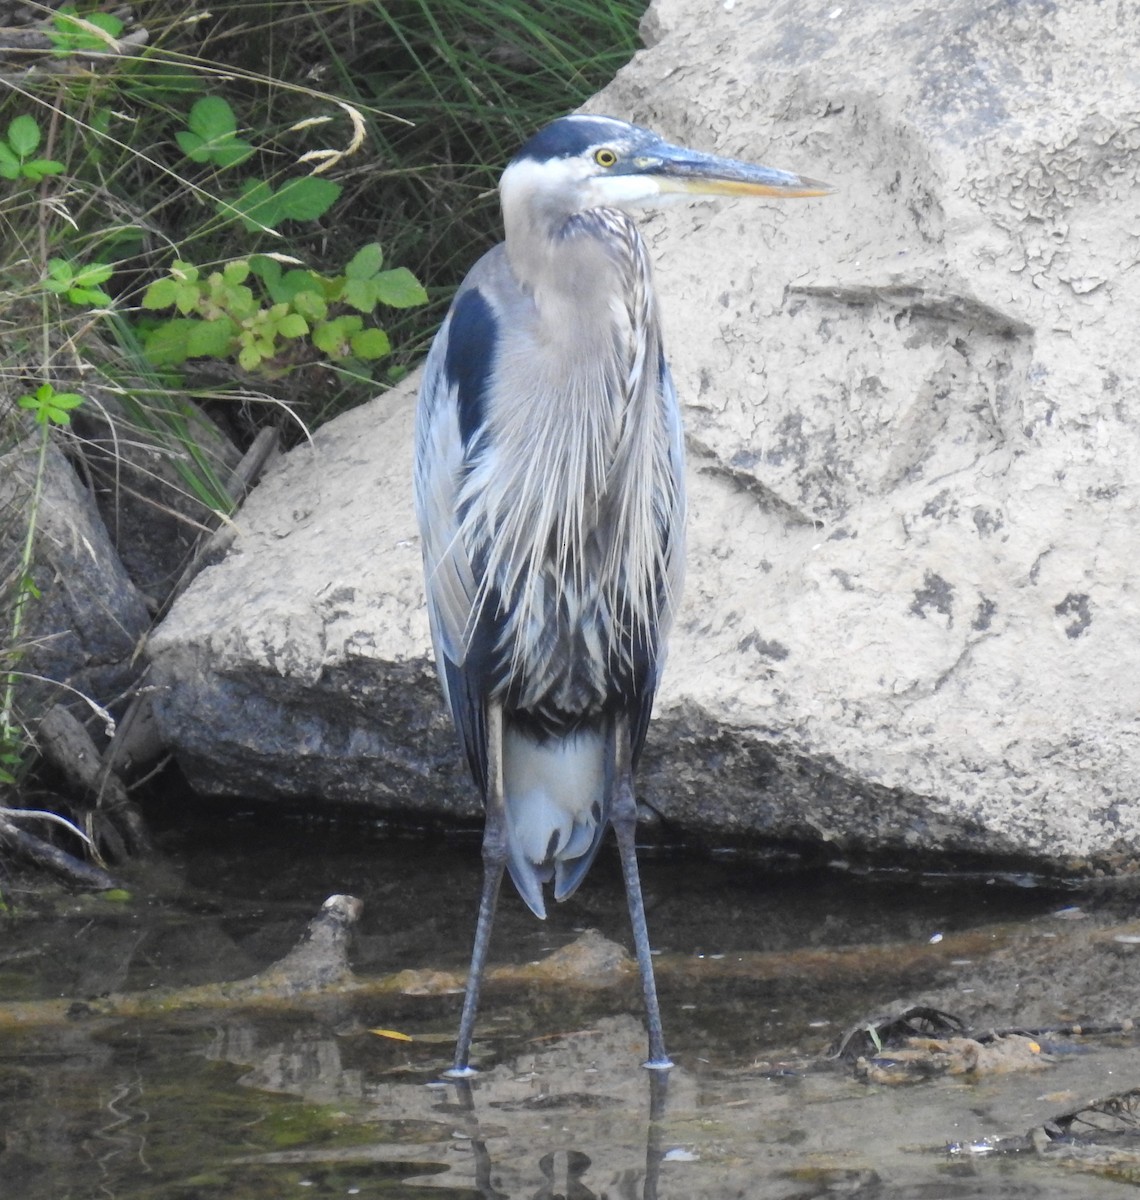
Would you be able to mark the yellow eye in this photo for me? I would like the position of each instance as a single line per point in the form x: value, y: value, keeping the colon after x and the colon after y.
x: 605, y: 157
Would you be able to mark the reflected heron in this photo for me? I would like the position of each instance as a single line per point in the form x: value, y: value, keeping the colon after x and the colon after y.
x: 550, y: 498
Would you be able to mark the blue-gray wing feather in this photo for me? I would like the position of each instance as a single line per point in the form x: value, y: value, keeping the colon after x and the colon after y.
x: 449, y: 420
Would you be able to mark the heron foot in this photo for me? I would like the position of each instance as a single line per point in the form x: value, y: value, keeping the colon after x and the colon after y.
x: 458, y: 1072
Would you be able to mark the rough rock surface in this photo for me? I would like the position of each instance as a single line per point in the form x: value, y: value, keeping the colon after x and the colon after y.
x: 151, y: 513
x: 88, y: 619
x: 912, y: 609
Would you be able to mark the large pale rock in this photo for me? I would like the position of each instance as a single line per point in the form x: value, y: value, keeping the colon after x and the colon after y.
x: 911, y: 618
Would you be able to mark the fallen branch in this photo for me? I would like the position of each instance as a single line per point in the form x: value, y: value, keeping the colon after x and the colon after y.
x: 39, y: 853
x: 66, y: 744
x: 317, y: 969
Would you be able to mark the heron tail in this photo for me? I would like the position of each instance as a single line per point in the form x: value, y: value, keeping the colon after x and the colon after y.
x: 556, y: 810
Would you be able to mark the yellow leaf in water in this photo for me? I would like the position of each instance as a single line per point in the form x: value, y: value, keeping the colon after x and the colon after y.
x: 394, y: 1034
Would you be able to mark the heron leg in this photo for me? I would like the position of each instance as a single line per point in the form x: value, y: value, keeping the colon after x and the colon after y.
x: 494, y: 860
x: 623, y: 817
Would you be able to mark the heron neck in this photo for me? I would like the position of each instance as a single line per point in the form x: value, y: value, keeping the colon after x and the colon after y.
x: 579, y: 268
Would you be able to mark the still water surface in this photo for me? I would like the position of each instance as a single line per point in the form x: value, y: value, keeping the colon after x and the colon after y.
x: 762, y: 969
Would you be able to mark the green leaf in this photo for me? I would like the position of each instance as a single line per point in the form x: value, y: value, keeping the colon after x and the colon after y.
x: 370, y: 344
x: 211, y: 339
x: 70, y: 36
x: 311, y: 305
x: 89, y: 297
x: 161, y: 294
x: 50, y: 406
x: 292, y: 325
x: 9, y: 163
x: 298, y: 281
x: 256, y: 206
x: 40, y: 168
x: 228, y: 152
x: 191, y: 145
x: 359, y: 294
x: 236, y: 271
x: 399, y: 288
x: 23, y: 135
x: 107, y: 23
x: 166, y: 344
x: 327, y: 337
x: 249, y: 358
x: 92, y: 274
x: 212, y: 136
x: 187, y: 296
x: 61, y: 274
x: 66, y: 400
x: 240, y: 300
x: 268, y: 270
x: 365, y: 262
x: 307, y: 198
x: 212, y: 117
x: 333, y: 336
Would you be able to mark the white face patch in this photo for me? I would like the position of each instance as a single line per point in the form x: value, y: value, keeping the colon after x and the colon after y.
x: 527, y: 179
x: 620, y: 191
x: 574, y: 185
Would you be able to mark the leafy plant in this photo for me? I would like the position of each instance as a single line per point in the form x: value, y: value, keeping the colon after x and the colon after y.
x: 73, y: 34
x: 251, y: 308
x: 212, y: 135
x: 16, y: 151
x: 260, y: 206
x: 49, y: 406
x: 80, y: 284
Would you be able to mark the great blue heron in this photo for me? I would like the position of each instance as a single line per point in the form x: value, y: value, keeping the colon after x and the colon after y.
x: 550, y: 497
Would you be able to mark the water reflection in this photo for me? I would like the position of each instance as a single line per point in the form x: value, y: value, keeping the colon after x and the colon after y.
x: 575, y: 1119
x: 305, y: 1101
x: 563, y: 1171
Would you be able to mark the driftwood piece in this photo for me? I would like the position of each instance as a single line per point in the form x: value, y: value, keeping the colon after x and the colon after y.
x: 590, y: 963
x: 39, y: 853
x: 317, y: 970
x: 66, y: 744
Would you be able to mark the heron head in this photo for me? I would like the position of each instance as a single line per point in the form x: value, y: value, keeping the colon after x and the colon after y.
x: 582, y: 161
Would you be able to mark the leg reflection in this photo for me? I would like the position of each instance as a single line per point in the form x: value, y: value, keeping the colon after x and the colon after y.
x: 562, y: 1171
x: 655, y: 1133
x: 465, y: 1100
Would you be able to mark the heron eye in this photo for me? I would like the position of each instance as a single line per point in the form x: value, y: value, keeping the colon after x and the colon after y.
x: 605, y: 157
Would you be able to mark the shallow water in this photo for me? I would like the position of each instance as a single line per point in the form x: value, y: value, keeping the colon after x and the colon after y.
x: 761, y: 970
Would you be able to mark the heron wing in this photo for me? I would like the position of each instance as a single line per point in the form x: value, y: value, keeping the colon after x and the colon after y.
x: 448, y: 421
x: 670, y: 518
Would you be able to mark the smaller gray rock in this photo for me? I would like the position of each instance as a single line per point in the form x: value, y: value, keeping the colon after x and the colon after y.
x: 88, y: 620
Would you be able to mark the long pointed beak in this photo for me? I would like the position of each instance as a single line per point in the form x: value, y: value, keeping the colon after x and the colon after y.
x: 677, y: 169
